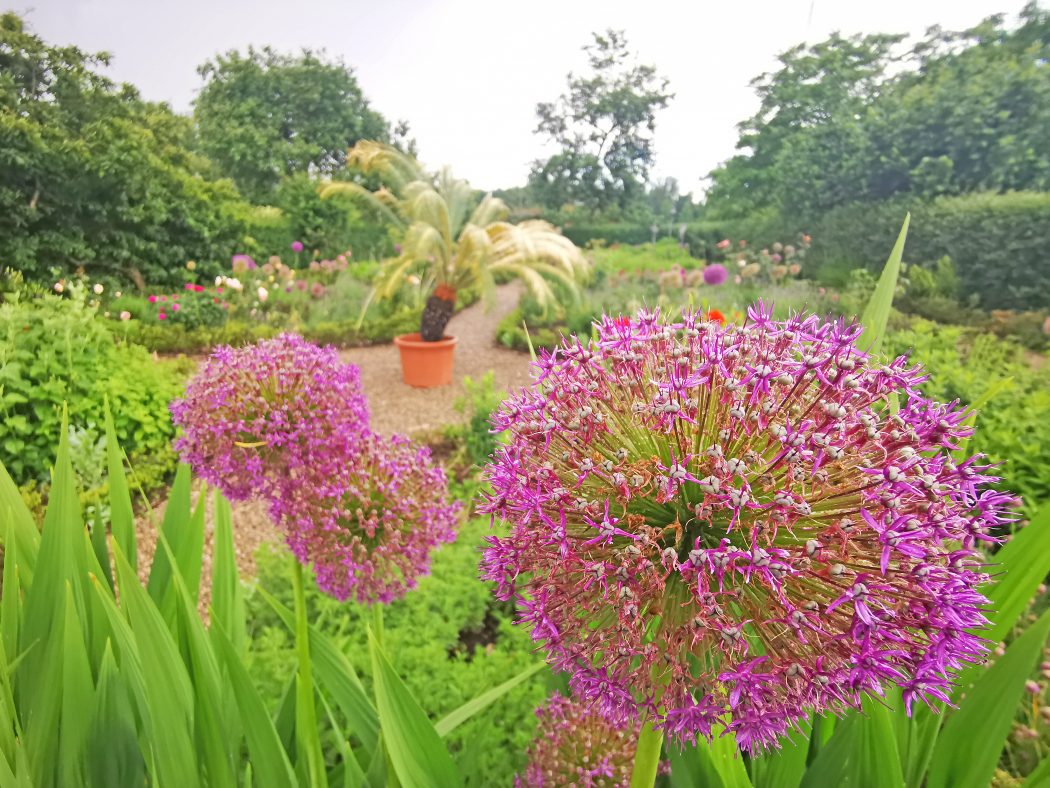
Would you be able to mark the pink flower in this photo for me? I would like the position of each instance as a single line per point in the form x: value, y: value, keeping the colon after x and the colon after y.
x: 161, y: 316
x: 724, y: 526
x: 723, y: 244
x: 152, y: 299
x: 297, y: 246
x: 125, y: 315
x: 174, y: 307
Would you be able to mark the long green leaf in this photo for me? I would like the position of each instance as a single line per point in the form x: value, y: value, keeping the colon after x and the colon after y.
x: 78, y: 695
x: 227, y: 596
x: 877, y: 313
x: 308, y: 745
x: 176, y: 515
x: 1022, y: 564
x: 270, y: 763
x: 168, y: 691
x: 783, y: 768
x: 23, y: 530
x: 338, y: 677
x: 419, y: 758
x: 454, y: 719
x: 114, y: 755
x: 861, y: 752
x: 973, y: 737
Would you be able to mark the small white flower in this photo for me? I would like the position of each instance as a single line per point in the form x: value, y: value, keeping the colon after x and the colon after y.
x: 59, y: 287
x: 98, y: 288
x: 263, y: 294
x: 219, y: 280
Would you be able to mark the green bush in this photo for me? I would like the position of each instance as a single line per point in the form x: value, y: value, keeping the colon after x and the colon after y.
x: 54, y: 351
x: 1014, y: 427
x: 998, y: 243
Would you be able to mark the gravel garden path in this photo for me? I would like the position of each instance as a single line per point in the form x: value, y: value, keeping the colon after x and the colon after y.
x: 395, y: 406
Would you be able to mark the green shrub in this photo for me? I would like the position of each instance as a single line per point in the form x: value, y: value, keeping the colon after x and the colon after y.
x: 54, y: 351
x: 1014, y: 427
x: 998, y: 243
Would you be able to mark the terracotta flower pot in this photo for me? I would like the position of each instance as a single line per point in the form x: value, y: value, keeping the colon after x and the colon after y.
x: 426, y: 364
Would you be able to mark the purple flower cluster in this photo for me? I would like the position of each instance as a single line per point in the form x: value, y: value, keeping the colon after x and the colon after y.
x: 727, y: 526
x: 286, y: 421
x: 715, y: 274
x: 577, y: 747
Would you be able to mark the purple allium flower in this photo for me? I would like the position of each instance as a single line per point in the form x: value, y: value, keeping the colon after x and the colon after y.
x: 729, y: 526
x: 241, y: 263
x: 575, y: 746
x: 369, y: 526
x: 297, y: 246
x: 259, y: 418
x: 715, y: 274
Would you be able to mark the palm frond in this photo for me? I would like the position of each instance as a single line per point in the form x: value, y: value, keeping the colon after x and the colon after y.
x: 376, y: 200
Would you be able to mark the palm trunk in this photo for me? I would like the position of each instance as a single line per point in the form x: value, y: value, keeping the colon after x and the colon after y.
x: 437, y: 313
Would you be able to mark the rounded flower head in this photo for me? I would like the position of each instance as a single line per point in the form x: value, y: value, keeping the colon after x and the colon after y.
x: 715, y: 274
x: 369, y: 526
x: 574, y: 746
x: 731, y: 525
x: 297, y: 246
x: 258, y: 419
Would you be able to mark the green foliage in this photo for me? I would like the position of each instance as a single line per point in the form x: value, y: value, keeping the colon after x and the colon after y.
x: 482, y: 398
x: 55, y: 351
x: 604, y: 128
x: 93, y: 177
x: 450, y: 639
x: 964, y: 365
x: 262, y: 116
x: 996, y: 242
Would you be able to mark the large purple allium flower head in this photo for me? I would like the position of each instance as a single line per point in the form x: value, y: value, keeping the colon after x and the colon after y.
x: 368, y: 527
x: 575, y: 746
x: 728, y: 526
x: 262, y: 417
x: 715, y: 274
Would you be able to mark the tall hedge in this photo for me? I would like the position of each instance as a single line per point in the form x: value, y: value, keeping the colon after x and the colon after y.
x: 999, y: 243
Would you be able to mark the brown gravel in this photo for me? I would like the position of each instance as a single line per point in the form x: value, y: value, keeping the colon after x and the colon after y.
x: 396, y: 407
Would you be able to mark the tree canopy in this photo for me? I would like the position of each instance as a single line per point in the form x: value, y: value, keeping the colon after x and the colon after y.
x: 263, y: 115
x: 604, y: 126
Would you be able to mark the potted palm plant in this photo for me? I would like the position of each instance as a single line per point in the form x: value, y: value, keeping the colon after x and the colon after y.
x: 451, y: 241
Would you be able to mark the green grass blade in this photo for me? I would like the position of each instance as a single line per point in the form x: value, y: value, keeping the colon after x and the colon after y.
x: 416, y: 752
x: 454, y: 719
x: 270, y: 765
x: 877, y: 313
x: 973, y: 737
x: 121, y: 512
x: 337, y: 676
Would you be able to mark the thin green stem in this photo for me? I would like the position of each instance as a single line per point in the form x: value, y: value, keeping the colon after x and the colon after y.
x: 306, y: 729
x: 647, y: 757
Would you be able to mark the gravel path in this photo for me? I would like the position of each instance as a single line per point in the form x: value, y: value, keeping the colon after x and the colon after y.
x: 396, y: 407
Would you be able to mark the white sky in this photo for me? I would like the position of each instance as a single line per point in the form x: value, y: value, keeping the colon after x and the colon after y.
x: 467, y: 74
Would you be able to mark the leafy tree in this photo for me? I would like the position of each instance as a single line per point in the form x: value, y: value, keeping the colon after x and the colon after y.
x: 263, y: 116
x: 604, y: 127
x: 93, y: 177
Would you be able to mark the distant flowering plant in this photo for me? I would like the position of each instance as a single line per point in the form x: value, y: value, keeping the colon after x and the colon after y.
x: 730, y: 526
x: 715, y: 274
x: 287, y: 422
x: 574, y: 746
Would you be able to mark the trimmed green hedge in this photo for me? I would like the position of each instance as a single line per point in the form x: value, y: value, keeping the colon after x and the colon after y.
x: 999, y: 243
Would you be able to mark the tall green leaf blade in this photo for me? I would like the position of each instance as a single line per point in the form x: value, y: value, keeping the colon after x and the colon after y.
x: 338, y: 677
x: 114, y: 757
x: 227, y: 596
x: 416, y: 752
x: 717, y: 763
x: 121, y: 512
x: 861, y: 752
x: 78, y: 693
x: 1021, y: 565
x: 877, y: 313
x: 270, y: 765
x: 455, y: 718
x: 176, y: 515
x: 783, y: 768
x: 23, y: 530
x: 973, y: 737
x: 168, y: 693
x: 308, y: 745
x: 10, y: 607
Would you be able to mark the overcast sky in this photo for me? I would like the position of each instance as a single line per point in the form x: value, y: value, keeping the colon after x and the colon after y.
x: 467, y: 74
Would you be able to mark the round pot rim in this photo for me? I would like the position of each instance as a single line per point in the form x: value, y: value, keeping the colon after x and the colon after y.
x: 415, y: 341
